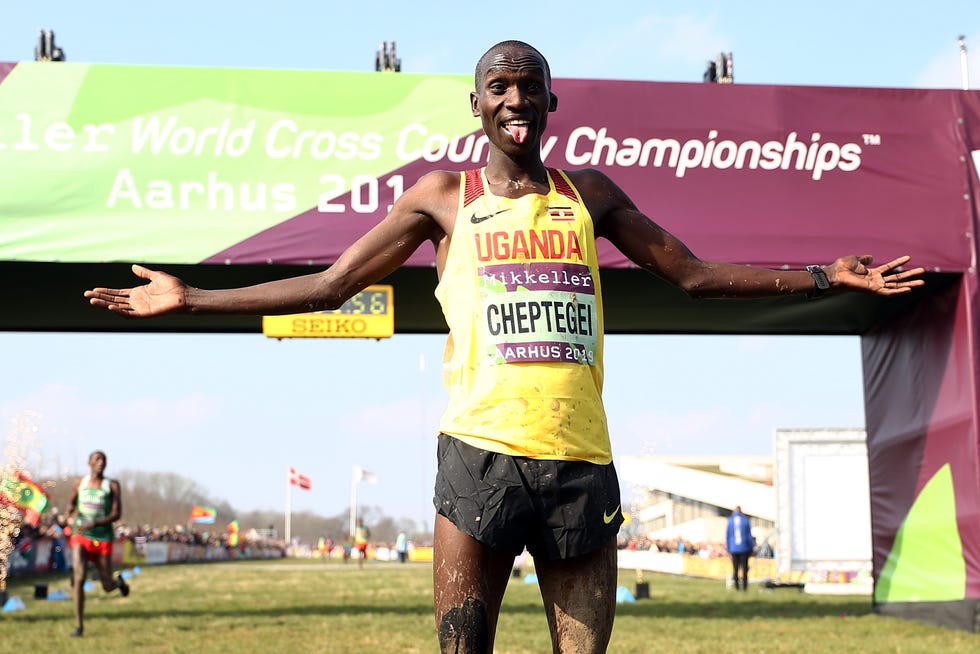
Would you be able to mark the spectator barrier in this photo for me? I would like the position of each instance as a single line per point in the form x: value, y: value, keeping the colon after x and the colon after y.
x: 32, y: 556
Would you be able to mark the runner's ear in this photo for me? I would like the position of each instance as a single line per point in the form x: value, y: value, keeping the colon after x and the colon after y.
x: 553, y: 105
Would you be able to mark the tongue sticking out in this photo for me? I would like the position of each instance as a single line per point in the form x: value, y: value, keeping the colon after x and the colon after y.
x: 518, y: 132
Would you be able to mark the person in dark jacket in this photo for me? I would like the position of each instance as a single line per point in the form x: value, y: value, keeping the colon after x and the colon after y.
x: 740, y: 544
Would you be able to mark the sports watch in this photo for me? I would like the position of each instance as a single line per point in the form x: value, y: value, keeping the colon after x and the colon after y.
x: 820, y: 281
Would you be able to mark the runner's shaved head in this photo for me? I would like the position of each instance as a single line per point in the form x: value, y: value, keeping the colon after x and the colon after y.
x: 515, y: 54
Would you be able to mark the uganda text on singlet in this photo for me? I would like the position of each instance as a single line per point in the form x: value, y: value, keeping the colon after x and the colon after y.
x: 520, y: 292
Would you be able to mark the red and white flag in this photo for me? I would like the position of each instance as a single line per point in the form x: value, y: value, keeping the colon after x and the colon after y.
x: 297, y: 479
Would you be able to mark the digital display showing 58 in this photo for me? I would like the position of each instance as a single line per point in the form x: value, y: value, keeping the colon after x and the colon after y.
x: 369, y: 314
x: 372, y: 301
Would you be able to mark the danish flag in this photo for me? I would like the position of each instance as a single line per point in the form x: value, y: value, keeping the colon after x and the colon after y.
x: 297, y: 479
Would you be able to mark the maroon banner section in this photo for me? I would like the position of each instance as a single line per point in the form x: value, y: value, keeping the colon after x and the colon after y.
x: 776, y: 175
x: 921, y: 404
x: 311, y: 238
x: 765, y: 175
x: 5, y: 68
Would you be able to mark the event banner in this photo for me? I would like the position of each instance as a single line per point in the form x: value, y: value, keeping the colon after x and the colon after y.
x: 188, y: 165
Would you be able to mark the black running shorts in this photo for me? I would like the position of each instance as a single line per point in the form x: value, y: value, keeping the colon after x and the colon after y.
x: 557, y: 509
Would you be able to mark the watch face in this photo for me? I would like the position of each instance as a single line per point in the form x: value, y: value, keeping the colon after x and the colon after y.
x: 819, y: 277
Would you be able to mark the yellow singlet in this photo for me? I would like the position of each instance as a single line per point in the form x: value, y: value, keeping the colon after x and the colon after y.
x: 520, y: 292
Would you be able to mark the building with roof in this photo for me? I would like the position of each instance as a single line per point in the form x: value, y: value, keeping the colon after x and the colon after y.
x: 691, y: 497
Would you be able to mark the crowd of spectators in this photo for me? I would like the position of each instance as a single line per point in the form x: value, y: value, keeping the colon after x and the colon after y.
x: 706, y: 550
x: 674, y: 545
x: 142, y: 534
x: 54, y: 525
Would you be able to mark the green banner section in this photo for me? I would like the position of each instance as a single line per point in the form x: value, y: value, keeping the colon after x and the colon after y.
x: 170, y: 165
x: 926, y: 562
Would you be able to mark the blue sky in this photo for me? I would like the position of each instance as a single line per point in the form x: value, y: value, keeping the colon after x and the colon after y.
x: 192, y: 404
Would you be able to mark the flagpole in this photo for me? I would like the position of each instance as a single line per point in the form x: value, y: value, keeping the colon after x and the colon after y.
x: 289, y: 497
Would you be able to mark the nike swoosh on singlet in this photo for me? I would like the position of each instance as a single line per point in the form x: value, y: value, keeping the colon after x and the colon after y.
x: 479, y: 219
x: 608, y: 517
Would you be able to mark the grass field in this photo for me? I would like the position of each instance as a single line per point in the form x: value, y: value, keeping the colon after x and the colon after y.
x: 304, y: 606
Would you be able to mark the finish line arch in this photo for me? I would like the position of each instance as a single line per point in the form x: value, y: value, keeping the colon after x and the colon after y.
x: 203, y: 172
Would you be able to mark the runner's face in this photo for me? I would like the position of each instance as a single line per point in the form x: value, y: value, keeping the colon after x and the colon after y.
x: 514, y: 100
x: 97, y: 462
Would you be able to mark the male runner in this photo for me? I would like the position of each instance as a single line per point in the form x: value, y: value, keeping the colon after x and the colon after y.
x: 361, y: 536
x: 96, y: 503
x: 524, y: 455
